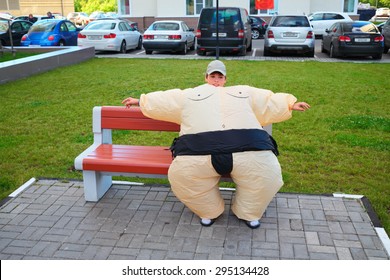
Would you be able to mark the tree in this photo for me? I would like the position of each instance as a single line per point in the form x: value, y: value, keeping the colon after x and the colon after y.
x: 89, y: 6
x: 381, y: 3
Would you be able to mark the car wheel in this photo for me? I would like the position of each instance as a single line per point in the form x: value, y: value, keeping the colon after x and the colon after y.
x: 200, y: 52
x: 61, y: 43
x: 249, y: 48
x: 139, y: 46
x: 148, y: 51
x: 322, y: 47
x: 310, y: 53
x: 184, y: 50
x: 255, y: 34
x: 377, y: 56
x: 331, y: 52
x: 266, y: 52
x: 123, y: 47
x: 193, y: 46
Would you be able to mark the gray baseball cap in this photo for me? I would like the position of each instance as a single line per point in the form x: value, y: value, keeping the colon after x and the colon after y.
x: 216, y: 66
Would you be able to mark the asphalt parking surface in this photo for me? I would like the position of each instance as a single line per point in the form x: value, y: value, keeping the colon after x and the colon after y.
x: 255, y: 54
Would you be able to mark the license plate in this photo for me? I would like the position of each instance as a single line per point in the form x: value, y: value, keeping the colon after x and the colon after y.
x: 94, y: 37
x: 362, y: 40
x: 290, y: 34
x: 219, y: 34
x: 161, y: 37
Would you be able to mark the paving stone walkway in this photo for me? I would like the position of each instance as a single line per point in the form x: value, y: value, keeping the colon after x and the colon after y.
x: 51, y: 220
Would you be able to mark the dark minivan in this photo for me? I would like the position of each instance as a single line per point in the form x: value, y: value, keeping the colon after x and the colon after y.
x: 235, y: 34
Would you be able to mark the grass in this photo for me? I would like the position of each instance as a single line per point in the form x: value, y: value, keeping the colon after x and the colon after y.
x: 340, y: 145
x: 8, y: 56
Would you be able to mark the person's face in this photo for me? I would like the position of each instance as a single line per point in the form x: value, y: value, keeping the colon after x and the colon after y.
x: 216, y: 79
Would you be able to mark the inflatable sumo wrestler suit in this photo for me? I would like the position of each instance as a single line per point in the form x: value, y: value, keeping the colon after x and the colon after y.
x: 221, y: 133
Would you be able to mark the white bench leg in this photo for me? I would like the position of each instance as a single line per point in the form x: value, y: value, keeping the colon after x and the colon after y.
x: 95, y: 185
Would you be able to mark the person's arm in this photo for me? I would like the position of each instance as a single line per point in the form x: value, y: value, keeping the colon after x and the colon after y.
x: 130, y: 101
x: 300, y: 106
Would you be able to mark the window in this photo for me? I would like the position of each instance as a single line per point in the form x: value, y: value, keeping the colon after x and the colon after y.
x: 193, y: 7
x: 124, y: 7
x: 349, y: 6
x: 253, y: 11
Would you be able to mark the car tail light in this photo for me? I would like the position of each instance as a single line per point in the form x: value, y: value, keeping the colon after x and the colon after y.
x: 110, y: 36
x: 50, y: 38
x: 198, y: 34
x: 241, y: 33
x: 148, y: 37
x: 174, y: 37
x: 24, y: 38
x: 379, y: 39
x: 270, y: 34
x: 264, y: 24
x: 81, y: 36
x: 344, y: 39
x: 309, y: 35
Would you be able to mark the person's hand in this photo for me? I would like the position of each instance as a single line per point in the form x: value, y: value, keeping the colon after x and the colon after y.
x: 130, y: 101
x: 300, y: 106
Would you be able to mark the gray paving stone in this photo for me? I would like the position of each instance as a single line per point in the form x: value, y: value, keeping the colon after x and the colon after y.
x: 51, y: 220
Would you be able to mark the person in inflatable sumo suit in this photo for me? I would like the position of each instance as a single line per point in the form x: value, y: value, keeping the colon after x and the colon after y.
x: 222, y: 134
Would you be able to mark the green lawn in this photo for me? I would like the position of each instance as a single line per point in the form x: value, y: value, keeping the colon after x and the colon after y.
x: 8, y: 56
x: 340, y: 145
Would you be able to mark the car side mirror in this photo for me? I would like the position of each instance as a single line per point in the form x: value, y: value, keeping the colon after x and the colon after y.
x: 191, y: 29
x: 327, y: 30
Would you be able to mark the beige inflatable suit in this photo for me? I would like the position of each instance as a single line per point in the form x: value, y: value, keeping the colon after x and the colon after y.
x: 231, y: 118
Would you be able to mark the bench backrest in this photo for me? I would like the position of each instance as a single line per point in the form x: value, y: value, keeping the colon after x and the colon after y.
x: 120, y: 117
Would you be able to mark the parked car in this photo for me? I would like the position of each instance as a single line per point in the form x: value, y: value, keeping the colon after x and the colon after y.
x: 321, y: 21
x: 112, y: 15
x: 382, y: 12
x: 51, y: 32
x: 82, y: 19
x: 357, y: 38
x: 289, y: 33
x: 18, y: 29
x: 386, y: 35
x: 169, y: 35
x: 72, y: 17
x: 35, y: 17
x: 110, y: 35
x: 96, y: 15
x: 234, y: 31
x: 259, y: 26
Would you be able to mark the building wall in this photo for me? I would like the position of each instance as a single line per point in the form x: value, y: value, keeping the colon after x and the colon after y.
x: 144, y: 12
x: 40, y: 7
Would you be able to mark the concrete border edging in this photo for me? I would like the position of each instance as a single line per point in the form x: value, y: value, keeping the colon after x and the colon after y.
x: 51, y: 58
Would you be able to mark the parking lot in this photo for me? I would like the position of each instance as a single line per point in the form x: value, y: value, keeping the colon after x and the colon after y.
x: 255, y: 54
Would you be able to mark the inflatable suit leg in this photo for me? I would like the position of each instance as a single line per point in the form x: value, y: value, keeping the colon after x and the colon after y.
x: 195, y: 183
x: 258, y: 178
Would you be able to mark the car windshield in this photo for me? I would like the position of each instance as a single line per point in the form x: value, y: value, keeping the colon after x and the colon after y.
x: 291, y: 21
x: 358, y: 27
x: 3, y: 26
x: 43, y: 26
x: 226, y: 16
x: 165, y: 26
x: 100, y: 25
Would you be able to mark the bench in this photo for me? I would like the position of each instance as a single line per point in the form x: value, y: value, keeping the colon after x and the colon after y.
x: 103, y: 159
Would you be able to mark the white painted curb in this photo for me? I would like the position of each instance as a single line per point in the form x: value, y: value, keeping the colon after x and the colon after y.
x: 23, y: 187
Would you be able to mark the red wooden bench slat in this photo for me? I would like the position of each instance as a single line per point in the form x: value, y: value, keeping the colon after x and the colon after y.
x: 129, y: 159
x: 132, y: 119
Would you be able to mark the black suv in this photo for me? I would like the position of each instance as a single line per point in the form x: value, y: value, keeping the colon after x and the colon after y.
x: 234, y: 34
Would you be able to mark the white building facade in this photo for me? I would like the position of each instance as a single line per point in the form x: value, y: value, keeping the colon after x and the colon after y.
x: 146, y: 11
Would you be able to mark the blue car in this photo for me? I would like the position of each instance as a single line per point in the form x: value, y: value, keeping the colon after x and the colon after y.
x: 51, y: 32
